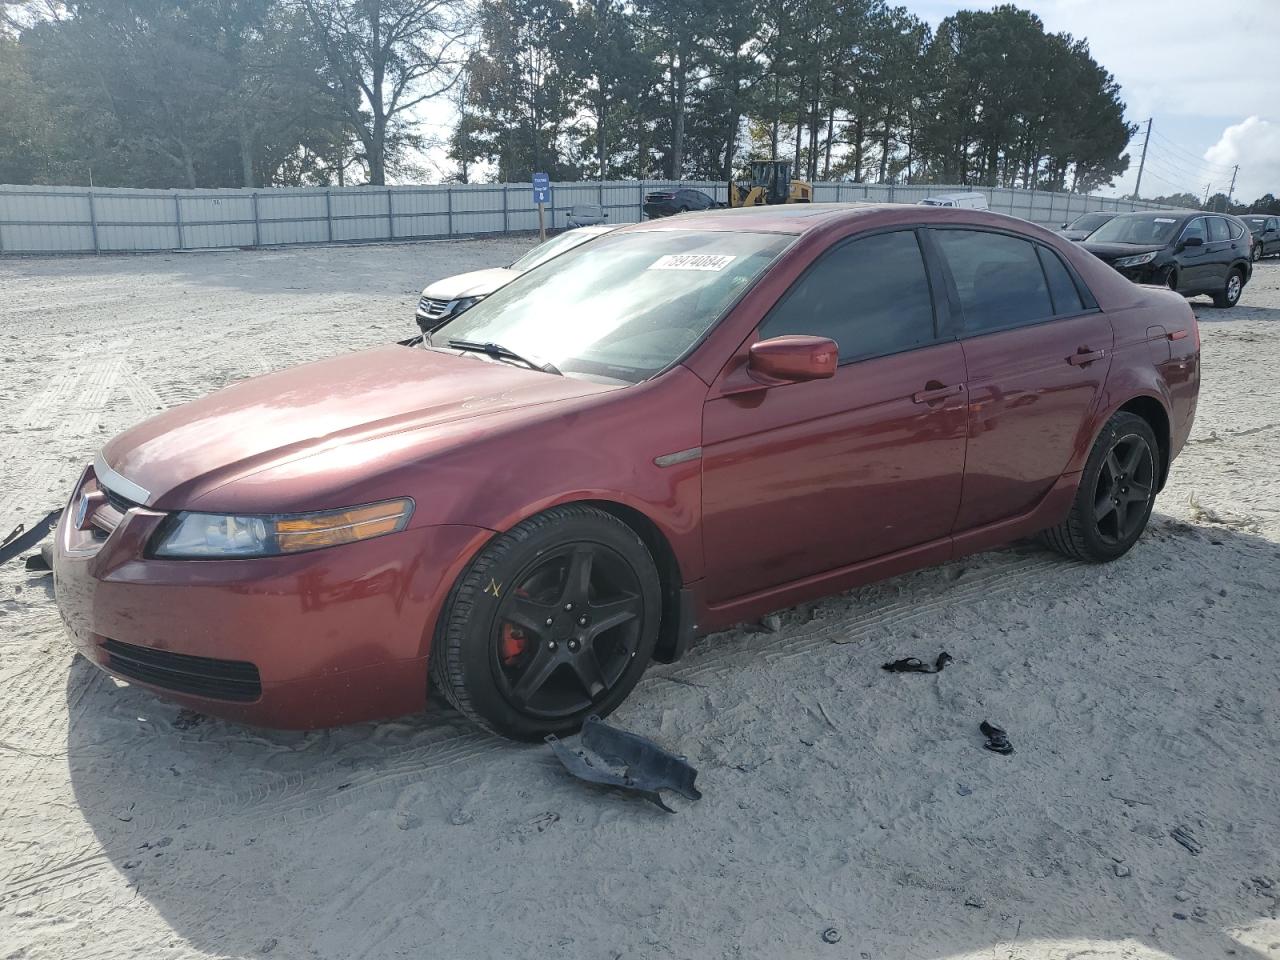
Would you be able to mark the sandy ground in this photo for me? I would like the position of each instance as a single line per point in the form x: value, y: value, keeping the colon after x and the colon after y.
x: 1141, y: 697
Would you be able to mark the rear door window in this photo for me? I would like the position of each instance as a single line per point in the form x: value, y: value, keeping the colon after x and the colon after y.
x: 871, y: 296
x: 998, y: 278
x: 1218, y: 230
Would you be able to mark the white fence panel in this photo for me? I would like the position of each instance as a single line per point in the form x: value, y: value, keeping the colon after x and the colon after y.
x: 475, y: 208
x: 79, y: 219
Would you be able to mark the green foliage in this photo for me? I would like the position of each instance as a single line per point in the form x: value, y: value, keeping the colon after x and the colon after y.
x: 149, y: 93
x: 231, y: 92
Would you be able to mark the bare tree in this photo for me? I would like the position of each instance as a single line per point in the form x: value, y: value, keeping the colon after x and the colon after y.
x: 386, y: 57
x: 19, y: 15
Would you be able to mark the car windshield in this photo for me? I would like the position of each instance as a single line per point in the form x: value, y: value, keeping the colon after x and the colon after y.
x: 624, y: 308
x: 1142, y: 228
x: 1091, y: 221
x: 553, y: 248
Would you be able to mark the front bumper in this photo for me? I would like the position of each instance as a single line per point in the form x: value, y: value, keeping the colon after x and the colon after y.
x: 316, y: 639
x: 1145, y: 273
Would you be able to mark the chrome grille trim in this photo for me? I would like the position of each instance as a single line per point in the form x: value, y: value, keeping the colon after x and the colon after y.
x: 121, y: 485
x: 434, y: 309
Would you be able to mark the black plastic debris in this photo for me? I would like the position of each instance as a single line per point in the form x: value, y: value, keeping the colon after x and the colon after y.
x: 997, y: 739
x: 616, y: 758
x: 42, y: 560
x: 1187, y: 839
x: 916, y: 665
x: 23, y: 539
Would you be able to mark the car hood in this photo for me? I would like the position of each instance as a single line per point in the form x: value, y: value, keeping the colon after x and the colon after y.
x: 345, y: 404
x: 477, y: 283
x: 1114, y: 251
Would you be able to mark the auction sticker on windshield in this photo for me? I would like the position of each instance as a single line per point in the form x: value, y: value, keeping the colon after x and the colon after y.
x: 693, y: 261
x: 1165, y: 220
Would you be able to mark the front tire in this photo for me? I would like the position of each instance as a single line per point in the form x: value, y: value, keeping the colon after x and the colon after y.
x: 553, y: 621
x: 1231, y: 290
x: 1116, y: 493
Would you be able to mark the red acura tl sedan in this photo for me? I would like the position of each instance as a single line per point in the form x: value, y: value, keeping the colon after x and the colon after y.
x: 681, y: 426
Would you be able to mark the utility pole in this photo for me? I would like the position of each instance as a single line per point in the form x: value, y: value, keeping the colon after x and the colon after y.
x: 1232, y: 189
x: 1205, y: 202
x: 1143, y: 162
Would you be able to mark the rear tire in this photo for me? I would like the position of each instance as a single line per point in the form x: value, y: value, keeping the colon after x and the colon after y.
x: 1231, y: 290
x: 1116, y: 493
x: 553, y: 621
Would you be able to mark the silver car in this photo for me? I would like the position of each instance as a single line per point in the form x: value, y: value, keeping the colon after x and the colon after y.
x: 445, y: 299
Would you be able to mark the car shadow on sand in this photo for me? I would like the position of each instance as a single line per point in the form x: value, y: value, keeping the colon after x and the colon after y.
x: 837, y: 797
x: 1207, y: 313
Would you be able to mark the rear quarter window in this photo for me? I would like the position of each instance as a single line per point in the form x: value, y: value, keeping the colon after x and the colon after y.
x: 1062, y: 289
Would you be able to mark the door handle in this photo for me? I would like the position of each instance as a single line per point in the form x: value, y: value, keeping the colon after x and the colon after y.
x: 1085, y: 356
x: 939, y: 392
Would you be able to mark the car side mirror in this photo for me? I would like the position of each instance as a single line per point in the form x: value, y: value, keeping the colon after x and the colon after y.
x: 1193, y: 242
x: 793, y: 359
x: 1064, y: 226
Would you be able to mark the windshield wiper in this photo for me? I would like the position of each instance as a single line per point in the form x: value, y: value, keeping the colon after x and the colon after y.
x: 499, y: 352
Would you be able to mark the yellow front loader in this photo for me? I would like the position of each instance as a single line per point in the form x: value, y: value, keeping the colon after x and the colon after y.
x: 771, y: 183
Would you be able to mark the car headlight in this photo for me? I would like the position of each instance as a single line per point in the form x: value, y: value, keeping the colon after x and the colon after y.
x: 187, y: 535
x: 1138, y: 260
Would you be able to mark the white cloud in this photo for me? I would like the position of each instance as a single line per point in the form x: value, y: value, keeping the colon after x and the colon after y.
x: 1255, y: 145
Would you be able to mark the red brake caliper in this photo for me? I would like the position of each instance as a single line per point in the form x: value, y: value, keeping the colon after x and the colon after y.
x: 514, y: 643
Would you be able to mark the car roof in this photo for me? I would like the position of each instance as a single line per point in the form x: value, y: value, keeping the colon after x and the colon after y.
x: 1180, y: 214
x: 801, y: 218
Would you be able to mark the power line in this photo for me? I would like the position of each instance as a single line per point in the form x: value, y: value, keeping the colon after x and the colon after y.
x: 1171, y: 168
x: 1179, y: 187
x: 1189, y: 154
x: 1176, y: 166
x: 1174, y: 162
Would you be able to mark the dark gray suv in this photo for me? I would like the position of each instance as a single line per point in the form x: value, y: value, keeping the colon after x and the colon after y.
x: 1266, y: 233
x: 1188, y: 251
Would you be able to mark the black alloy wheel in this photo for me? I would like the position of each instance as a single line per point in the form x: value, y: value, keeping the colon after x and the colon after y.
x: 565, y: 635
x: 1116, y: 493
x: 552, y: 621
x: 1124, y: 489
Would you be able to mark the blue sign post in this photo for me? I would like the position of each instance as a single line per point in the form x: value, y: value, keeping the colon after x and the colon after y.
x: 541, y: 196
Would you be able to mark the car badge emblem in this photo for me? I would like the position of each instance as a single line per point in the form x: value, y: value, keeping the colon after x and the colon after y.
x: 82, y: 510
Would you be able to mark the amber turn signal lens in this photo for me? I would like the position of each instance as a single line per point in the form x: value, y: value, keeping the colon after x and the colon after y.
x: 294, y: 534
